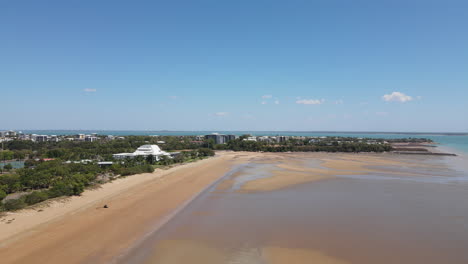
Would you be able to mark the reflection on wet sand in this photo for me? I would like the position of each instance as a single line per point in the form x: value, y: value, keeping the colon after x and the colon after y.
x: 301, y: 169
x: 185, y: 251
x: 275, y: 255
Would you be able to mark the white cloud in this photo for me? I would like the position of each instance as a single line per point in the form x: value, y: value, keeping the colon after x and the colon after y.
x: 338, y: 101
x: 267, y: 96
x: 89, y: 90
x: 397, y: 97
x: 173, y: 97
x: 310, y: 101
x: 221, y: 114
x: 419, y: 97
x: 277, y: 101
x: 263, y: 102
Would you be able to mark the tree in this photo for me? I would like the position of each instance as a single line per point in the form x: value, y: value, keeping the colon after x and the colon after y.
x: 15, y: 204
x: 2, y: 194
x: 36, y: 197
x: 165, y: 160
x: 209, y: 143
x: 206, y: 152
x: 10, y: 183
x: 6, y: 155
x: 61, y: 189
x: 8, y: 167
x: 150, y: 159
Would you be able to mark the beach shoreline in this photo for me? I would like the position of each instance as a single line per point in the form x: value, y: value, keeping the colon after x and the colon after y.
x: 80, y: 230
x: 78, y: 222
x: 63, y: 206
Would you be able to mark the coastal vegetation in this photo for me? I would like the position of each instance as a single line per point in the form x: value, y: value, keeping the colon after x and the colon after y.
x: 41, y: 180
x: 307, y: 145
x: 100, y: 150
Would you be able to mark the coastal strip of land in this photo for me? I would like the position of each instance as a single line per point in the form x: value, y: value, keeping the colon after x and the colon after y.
x: 80, y: 230
x: 424, y: 148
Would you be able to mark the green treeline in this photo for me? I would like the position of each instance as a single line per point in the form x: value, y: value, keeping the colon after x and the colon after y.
x: 55, y: 178
x: 100, y: 150
x: 293, y: 145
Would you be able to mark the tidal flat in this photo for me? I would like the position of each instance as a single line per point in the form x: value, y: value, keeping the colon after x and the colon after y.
x: 321, y: 208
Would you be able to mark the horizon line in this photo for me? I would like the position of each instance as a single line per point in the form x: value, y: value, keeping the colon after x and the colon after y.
x: 227, y: 130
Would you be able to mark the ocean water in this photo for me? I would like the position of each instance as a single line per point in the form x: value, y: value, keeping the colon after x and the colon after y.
x: 458, y: 142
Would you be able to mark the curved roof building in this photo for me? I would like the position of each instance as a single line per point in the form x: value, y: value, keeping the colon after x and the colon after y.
x: 144, y: 151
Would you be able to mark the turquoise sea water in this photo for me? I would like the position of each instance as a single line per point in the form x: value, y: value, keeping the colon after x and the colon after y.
x: 458, y: 142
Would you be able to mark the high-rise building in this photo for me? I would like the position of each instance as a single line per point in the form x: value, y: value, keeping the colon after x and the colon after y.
x: 219, y: 138
x: 280, y: 139
x: 91, y: 138
x: 41, y: 138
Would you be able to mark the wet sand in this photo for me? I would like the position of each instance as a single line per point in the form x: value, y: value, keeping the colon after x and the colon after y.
x: 261, y: 208
x: 176, y: 252
x: 295, y: 170
x: 321, y: 208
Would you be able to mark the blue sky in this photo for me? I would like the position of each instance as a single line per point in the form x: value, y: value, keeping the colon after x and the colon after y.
x: 234, y: 65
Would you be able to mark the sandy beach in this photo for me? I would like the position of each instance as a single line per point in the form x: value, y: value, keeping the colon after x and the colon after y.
x: 80, y: 230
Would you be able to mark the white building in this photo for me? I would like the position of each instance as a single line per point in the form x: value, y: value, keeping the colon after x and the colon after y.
x: 9, y: 133
x: 219, y: 138
x: 144, y: 151
x: 40, y: 138
x: 24, y: 137
x: 250, y: 139
x: 91, y: 138
x: 281, y: 139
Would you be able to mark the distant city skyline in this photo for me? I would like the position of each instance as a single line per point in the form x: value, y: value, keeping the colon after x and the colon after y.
x: 383, y: 66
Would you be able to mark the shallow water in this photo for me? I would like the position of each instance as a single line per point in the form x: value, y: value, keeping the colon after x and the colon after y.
x: 369, y: 218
